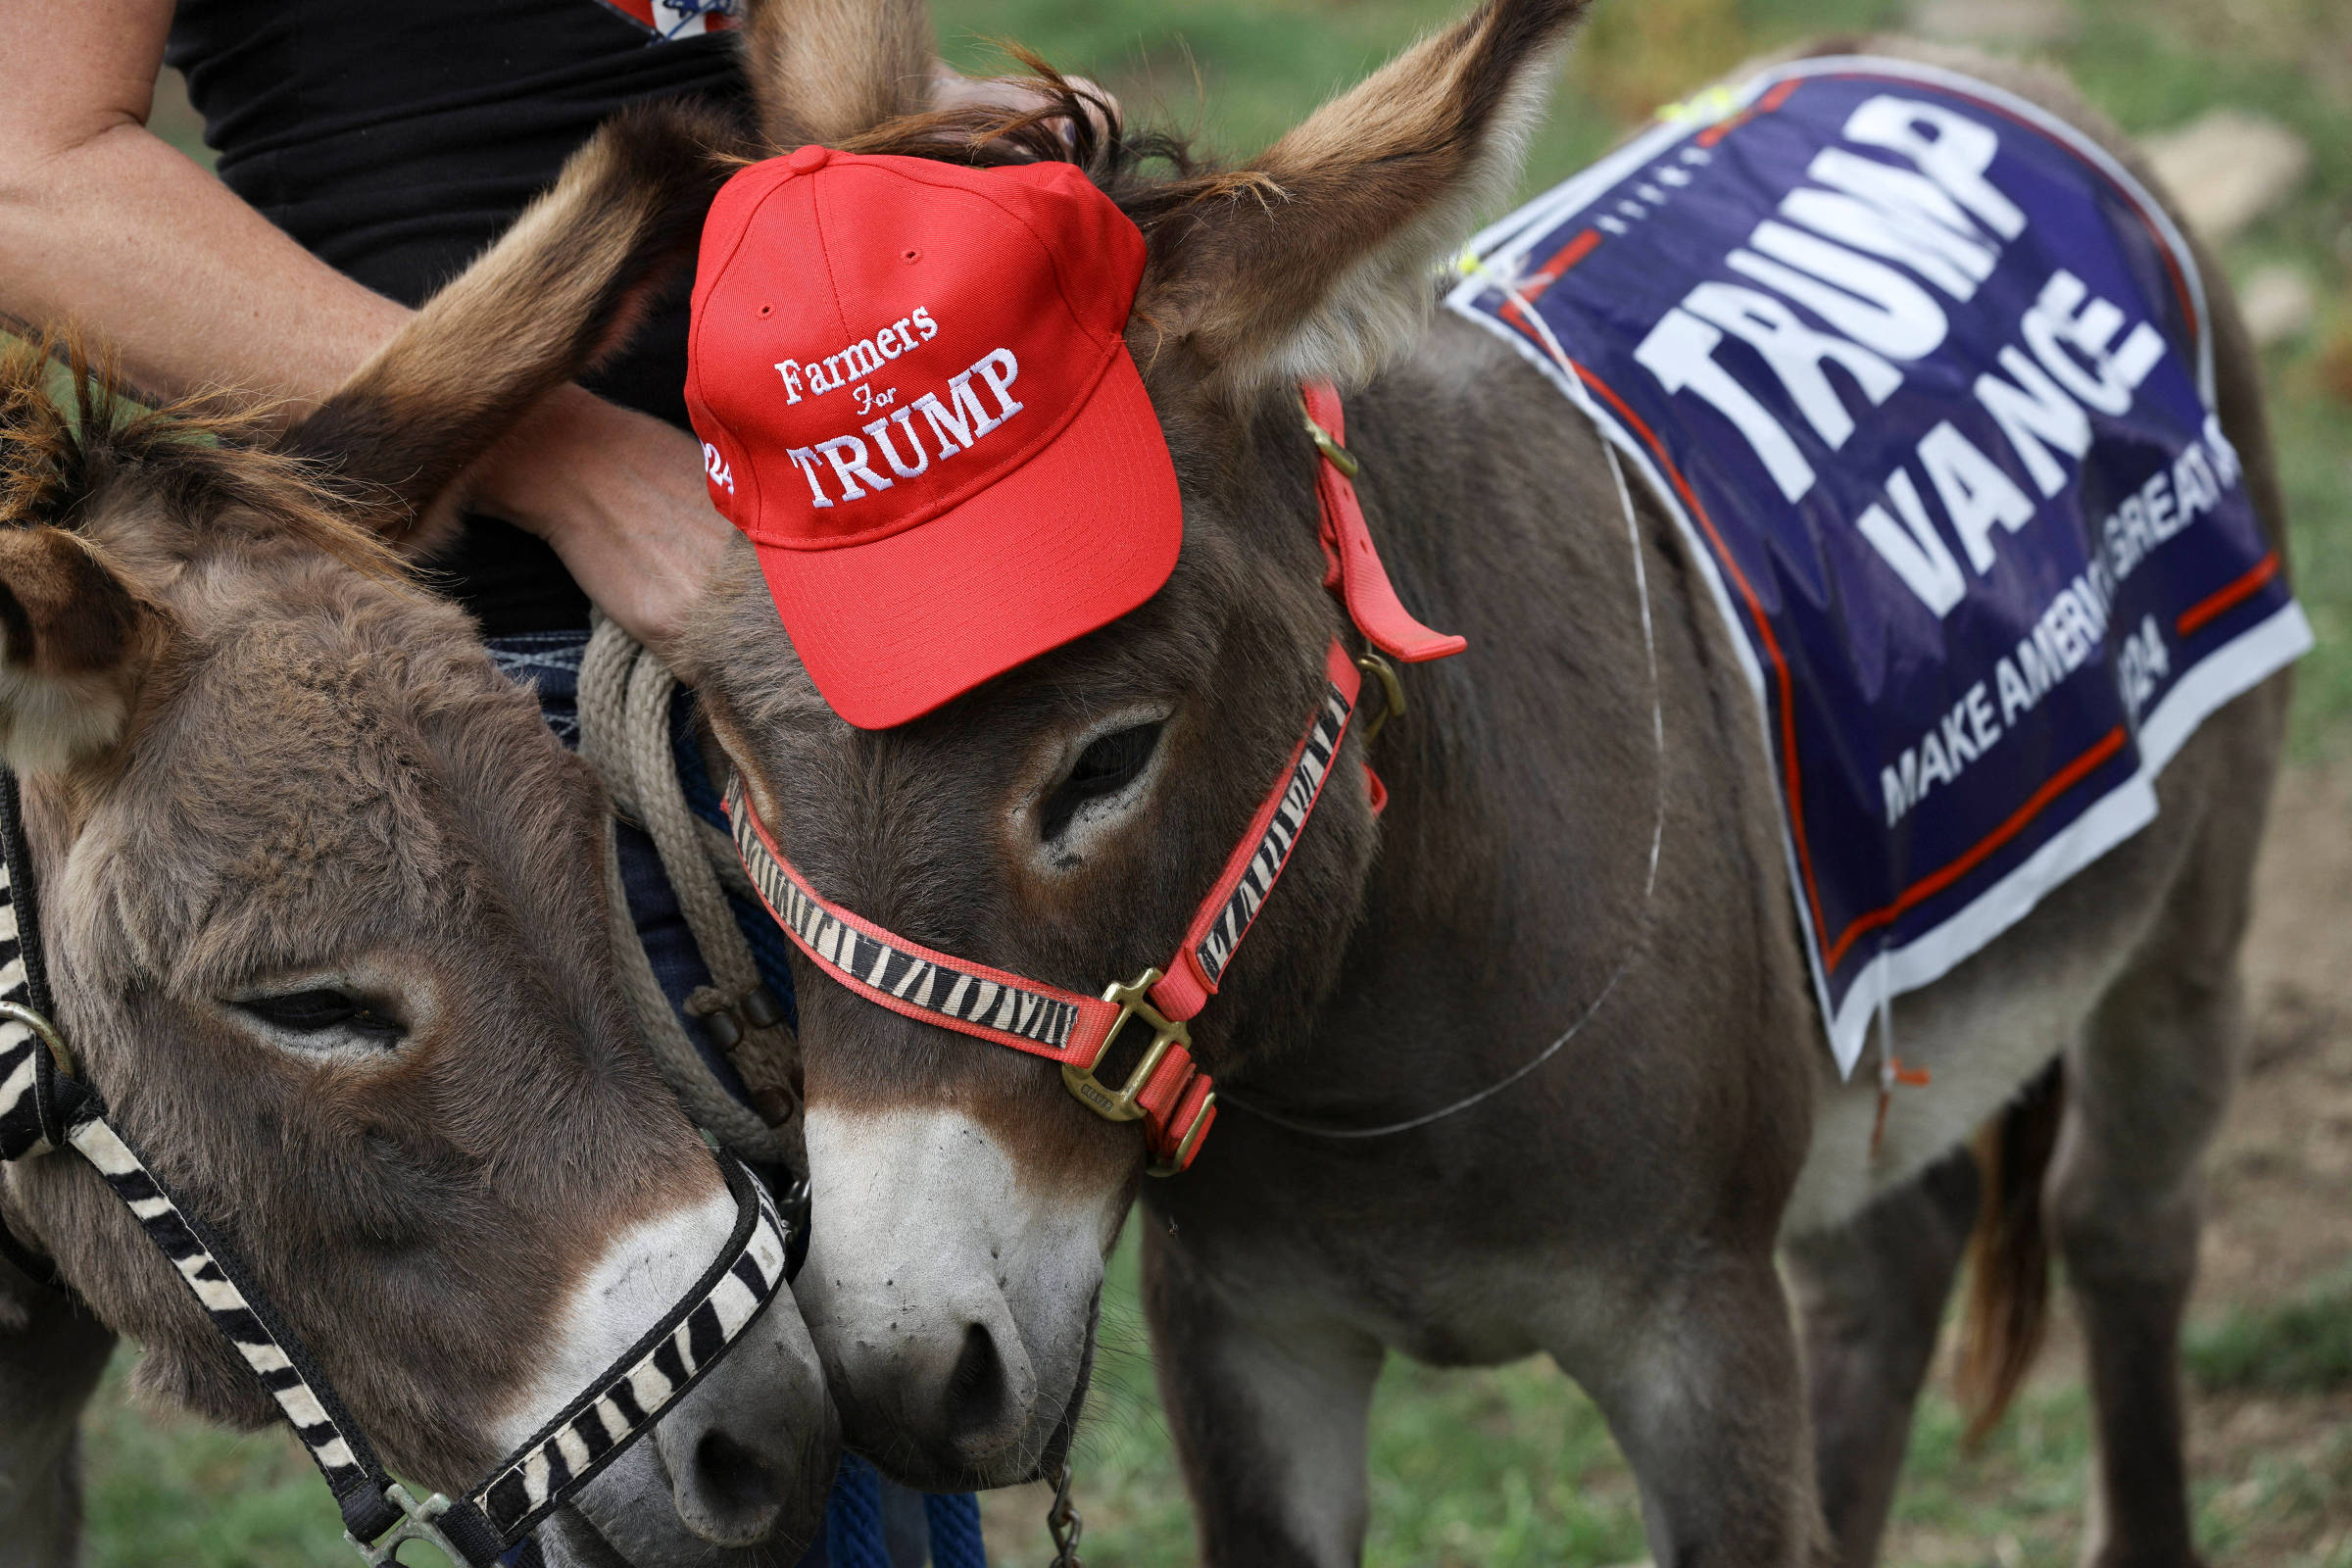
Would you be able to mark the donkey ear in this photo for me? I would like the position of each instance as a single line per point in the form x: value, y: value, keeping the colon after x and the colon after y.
x: 73, y: 642
x: 1314, y: 262
x: 565, y: 286
x: 825, y: 71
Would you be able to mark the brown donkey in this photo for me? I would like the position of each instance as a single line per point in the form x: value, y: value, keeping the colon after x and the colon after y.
x: 324, y: 921
x: 1622, y: 1207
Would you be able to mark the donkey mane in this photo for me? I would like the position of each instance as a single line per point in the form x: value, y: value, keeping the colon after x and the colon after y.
x: 210, y: 460
x: 1070, y: 124
x: 1156, y: 178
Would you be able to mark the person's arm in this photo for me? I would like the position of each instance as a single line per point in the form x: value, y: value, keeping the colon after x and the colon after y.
x: 107, y: 227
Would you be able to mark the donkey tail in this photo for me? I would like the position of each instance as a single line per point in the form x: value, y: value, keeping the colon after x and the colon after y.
x: 2007, y: 1311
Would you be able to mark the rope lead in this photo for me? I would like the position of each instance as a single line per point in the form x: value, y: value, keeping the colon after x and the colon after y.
x: 625, y: 704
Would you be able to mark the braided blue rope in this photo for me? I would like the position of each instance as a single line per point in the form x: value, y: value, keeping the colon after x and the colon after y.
x: 853, y: 1537
x: 955, y: 1520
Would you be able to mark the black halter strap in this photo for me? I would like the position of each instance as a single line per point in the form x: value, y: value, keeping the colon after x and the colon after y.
x: 45, y: 1106
x: 23, y: 971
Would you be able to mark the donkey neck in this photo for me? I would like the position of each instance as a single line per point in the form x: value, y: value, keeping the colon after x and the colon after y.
x: 1524, y: 780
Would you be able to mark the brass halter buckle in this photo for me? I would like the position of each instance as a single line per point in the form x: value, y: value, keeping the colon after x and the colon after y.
x: 59, y: 1052
x: 1134, y: 1000
x: 61, y: 1055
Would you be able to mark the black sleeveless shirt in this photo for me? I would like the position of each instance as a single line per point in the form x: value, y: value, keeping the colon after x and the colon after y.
x: 395, y: 139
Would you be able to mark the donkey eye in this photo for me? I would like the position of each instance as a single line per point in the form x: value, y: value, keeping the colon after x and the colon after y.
x: 310, y: 1012
x: 1104, y: 767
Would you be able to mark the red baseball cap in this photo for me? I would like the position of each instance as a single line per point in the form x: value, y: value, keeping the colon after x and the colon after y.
x: 914, y: 396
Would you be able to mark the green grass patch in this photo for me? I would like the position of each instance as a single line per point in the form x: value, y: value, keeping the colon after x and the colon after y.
x: 1505, y: 1465
x: 2280, y: 1509
x: 2300, y: 1345
x: 2019, y: 1498
x: 168, y: 1492
x: 1512, y: 1467
x: 1231, y: 75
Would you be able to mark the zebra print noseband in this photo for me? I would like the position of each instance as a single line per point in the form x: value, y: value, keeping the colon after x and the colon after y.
x: 44, y: 1106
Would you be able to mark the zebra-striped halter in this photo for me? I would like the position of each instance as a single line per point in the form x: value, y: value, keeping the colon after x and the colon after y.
x: 45, y: 1107
x: 1166, y: 1090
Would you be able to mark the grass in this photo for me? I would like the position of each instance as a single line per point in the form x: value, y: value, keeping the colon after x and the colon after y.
x: 1506, y: 1465
x: 1511, y: 1465
x: 2303, y: 1345
x: 168, y: 1492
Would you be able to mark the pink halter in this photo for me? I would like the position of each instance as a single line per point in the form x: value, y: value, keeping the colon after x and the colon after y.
x: 1166, y: 1090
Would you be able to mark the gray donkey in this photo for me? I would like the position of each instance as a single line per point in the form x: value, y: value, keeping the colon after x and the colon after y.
x: 324, y: 921
x: 1623, y: 1208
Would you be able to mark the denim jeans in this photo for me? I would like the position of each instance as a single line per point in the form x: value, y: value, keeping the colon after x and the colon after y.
x: 871, y: 1522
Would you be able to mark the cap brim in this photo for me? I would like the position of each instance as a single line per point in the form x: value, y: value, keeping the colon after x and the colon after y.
x: 1071, y: 540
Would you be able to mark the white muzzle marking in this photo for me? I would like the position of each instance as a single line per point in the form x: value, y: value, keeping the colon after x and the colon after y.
x: 643, y: 1274
x: 926, y: 1228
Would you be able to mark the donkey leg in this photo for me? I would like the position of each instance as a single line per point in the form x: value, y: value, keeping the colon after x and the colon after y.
x: 1871, y: 1295
x: 50, y: 1354
x: 2147, y: 1085
x: 1705, y: 1395
x: 2154, y: 1073
x: 1269, y: 1421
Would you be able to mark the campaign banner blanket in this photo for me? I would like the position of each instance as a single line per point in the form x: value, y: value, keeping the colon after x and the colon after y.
x: 1927, y: 379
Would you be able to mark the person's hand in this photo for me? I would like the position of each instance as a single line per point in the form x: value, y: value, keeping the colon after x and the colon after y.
x: 619, y: 494
x: 621, y: 497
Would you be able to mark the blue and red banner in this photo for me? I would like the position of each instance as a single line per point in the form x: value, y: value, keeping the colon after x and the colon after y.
x: 1927, y: 379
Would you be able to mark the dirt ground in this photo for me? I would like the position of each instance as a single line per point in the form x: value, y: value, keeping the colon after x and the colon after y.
x: 2282, y: 1174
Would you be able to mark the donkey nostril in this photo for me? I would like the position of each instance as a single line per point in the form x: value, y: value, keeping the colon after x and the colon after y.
x: 735, y: 1476
x: 975, y: 1392
x: 741, y: 1493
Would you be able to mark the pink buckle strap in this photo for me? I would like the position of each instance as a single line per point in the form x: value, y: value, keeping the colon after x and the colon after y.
x: 1354, y: 564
